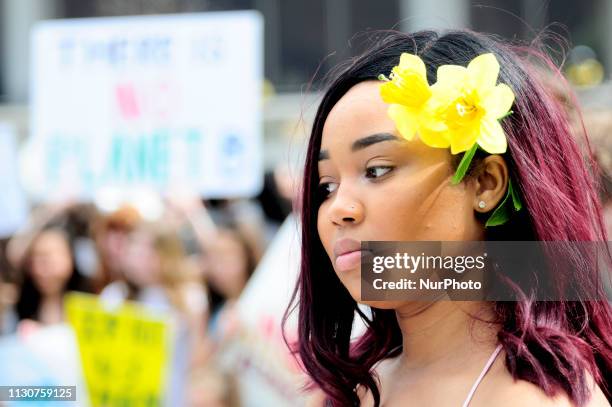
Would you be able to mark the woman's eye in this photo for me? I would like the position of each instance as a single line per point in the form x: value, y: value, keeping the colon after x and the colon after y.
x: 377, y: 171
x: 326, y: 188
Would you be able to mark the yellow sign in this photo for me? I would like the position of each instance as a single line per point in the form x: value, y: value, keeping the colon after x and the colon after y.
x: 124, y: 352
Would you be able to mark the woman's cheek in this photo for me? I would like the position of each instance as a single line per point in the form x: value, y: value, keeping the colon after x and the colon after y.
x: 324, y: 229
x: 392, y: 212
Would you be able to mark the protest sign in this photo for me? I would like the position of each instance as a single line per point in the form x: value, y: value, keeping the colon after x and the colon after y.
x: 13, y: 205
x: 268, y: 373
x: 44, y: 356
x: 124, y: 352
x: 147, y: 102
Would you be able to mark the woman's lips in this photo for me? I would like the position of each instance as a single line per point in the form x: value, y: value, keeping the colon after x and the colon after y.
x: 348, y: 261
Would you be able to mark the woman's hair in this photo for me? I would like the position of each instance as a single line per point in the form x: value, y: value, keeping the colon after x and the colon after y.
x: 553, y: 344
x: 28, y: 304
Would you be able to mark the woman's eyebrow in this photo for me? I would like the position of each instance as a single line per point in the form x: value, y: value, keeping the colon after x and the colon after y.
x: 373, y: 139
x: 364, y: 142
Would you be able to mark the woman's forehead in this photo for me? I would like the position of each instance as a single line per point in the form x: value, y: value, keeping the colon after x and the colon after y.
x: 360, y: 111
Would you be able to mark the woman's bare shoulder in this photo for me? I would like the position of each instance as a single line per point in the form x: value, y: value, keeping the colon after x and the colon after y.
x: 524, y: 393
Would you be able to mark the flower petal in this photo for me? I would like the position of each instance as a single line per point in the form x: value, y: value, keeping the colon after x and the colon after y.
x: 483, y: 71
x: 492, y: 138
x: 462, y: 140
x: 407, y: 87
x: 436, y: 139
x: 433, y: 115
x: 391, y: 93
x: 414, y: 63
x: 406, y: 120
x: 498, y: 101
x: 453, y: 76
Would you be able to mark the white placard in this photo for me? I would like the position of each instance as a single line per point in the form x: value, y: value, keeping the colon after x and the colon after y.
x: 46, y: 356
x: 13, y: 203
x: 268, y: 374
x: 158, y: 102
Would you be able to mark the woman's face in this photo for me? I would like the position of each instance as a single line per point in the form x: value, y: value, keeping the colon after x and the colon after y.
x: 51, y: 263
x: 140, y: 262
x: 374, y: 185
x: 113, y: 245
x: 228, y: 265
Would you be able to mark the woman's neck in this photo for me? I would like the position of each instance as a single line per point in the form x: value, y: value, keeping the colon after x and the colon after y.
x: 445, y: 333
x: 51, y: 310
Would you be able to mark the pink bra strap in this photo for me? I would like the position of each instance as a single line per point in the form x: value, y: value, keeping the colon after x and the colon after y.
x: 482, y: 374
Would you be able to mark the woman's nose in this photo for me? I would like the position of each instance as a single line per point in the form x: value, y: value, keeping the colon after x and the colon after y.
x: 346, y: 210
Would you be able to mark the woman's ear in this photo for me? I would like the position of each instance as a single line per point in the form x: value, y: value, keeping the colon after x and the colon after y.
x: 491, y: 183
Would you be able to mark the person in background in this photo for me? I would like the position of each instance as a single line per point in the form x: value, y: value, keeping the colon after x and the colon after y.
x: 229, y: 264
x: 158, y: 275
x: 8, y: 294
x: 212, y: 387
x: 598, y: 124
x: 48, y: 271
x: 227, y: 257
x: 247, y: 217
x: 110, y: 233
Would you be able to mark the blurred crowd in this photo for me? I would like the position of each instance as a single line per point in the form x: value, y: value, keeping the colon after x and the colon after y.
x: 193, y: 262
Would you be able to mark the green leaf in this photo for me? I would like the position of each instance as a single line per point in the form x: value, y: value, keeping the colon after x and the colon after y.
x: 516, y: 201
x: 464, y: 164
x: 502, y: 213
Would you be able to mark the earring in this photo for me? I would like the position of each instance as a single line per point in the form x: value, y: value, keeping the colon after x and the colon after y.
x: 482, y: 204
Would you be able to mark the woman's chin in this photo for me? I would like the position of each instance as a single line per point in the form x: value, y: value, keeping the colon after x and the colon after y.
x: 383, y: 304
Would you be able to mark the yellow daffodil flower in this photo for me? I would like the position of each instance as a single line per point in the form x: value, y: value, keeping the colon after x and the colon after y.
x: 407, y: 91
x: 461, y: 110
x: 469, y: 103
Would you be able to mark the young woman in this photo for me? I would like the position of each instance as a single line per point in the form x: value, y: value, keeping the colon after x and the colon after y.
x: 48, y: 271
x: 373, y: 173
